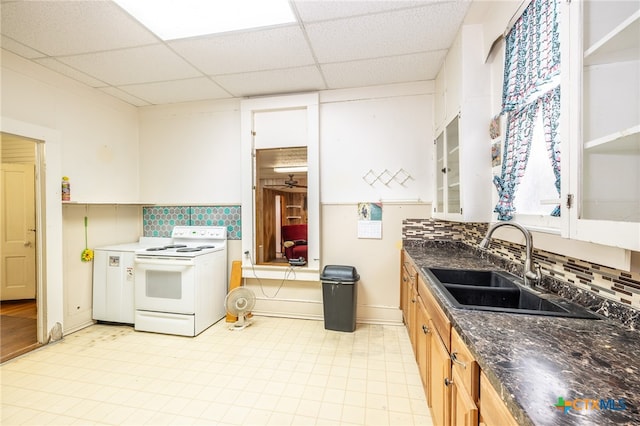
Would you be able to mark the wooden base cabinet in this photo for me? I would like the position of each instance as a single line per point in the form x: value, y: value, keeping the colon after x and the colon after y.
x: 465, y: 377
x: 423, y: 346
x: 450, y: 375
x: 493, y: 412
x: 464, y: 411
x: 440, y: 371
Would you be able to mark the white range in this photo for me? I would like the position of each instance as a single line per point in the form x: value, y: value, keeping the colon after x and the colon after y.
x: 180, y: 287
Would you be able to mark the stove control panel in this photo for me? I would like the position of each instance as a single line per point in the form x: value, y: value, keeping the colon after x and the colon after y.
x: 200, y: 232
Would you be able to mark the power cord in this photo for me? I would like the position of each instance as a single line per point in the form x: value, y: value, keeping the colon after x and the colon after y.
x: 287, y: 273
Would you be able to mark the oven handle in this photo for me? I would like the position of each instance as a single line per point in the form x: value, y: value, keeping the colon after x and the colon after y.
x: 173, y: 261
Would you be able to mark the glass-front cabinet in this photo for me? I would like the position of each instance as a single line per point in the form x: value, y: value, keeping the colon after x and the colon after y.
x: 447, y: 148
x: 603, y: 202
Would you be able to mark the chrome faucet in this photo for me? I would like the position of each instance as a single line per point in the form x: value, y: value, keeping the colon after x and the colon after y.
x: 531, y: 273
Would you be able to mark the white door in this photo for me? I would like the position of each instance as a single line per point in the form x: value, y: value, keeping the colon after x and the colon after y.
x: 17, y: 232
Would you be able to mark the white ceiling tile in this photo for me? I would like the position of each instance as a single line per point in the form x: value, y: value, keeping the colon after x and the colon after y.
x: 194, y: 89
x: 19, y: 48
x: 64, y: 69
x: 322, y: 10
x: 371, y: 72
x: 280, y: 47
x: 274, y: 81
x: 71, y: 27
x: 133, y: 66
x: 115, y: 92
x: 385, y: 34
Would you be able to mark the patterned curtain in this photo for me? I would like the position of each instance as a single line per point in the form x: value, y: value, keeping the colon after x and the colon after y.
x: 531, y: 81
x: 551, y: 120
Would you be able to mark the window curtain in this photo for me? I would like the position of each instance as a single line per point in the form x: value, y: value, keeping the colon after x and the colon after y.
x: 531, y: 82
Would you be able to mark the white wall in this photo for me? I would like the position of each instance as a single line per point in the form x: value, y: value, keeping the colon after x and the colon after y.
x: 190, y: 153
x: 375, y: 128
x: 89, y: 136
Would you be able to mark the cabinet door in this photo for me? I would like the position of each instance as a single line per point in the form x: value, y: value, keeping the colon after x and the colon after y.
x: 441, y: 169
x: 493, y: 411
x: 423, y: 341
x: 464, y: 411
x: 604, y: 134
x: 404, y: 291
x: 413, y: 307
x: 447, y: 203
x: 440, y: 366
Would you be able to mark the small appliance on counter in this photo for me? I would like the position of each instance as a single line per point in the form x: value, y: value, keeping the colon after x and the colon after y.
x: 113, y: 280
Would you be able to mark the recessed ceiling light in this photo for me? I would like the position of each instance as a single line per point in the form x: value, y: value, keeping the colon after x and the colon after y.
x: 174, y: 19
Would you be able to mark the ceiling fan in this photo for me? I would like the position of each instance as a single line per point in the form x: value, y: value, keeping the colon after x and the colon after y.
x: 290, y: 183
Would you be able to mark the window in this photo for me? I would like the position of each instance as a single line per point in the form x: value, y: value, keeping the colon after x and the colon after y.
x: 531, y: 102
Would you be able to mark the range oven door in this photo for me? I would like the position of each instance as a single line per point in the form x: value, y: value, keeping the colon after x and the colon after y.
x: 165, y: 284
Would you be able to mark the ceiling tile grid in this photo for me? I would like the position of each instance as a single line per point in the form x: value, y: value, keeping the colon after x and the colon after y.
x: 334, y: 44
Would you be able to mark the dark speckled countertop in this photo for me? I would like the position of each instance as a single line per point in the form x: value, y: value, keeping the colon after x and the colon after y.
x: 533, y: 360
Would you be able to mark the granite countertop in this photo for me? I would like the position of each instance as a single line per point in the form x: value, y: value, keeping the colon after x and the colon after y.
x: 533, y: 360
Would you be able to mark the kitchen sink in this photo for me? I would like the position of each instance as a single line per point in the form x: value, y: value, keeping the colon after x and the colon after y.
x: 474, y: 278
x: 499, y: 291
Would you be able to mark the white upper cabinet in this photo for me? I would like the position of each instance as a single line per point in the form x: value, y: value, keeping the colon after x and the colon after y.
x: 601, y: 121
x: 461, y: 143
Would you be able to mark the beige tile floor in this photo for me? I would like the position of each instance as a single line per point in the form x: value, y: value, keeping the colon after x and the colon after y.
x: 275, y: 372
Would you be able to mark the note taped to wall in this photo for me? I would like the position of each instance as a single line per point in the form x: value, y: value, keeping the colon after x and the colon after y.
x: 370, y: 220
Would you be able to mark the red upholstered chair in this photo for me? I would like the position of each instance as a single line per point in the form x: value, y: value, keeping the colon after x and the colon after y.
x: 294, y: 239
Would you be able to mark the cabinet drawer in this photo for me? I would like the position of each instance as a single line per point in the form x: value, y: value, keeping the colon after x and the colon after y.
x: 464, y: 365
x: 435, y: 313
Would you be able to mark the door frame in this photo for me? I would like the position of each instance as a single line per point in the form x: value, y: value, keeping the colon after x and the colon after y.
x: 49, y: 260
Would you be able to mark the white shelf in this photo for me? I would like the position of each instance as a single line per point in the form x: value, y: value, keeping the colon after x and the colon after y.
x: 627, y: 140
x: 454, y: 149
x: 114, y: 203
x: 619, y: 45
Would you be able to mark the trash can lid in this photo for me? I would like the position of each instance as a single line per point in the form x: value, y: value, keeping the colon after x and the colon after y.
x: 339, y: 273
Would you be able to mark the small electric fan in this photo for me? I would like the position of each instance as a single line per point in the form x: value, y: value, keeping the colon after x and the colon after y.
x: 239, y: 302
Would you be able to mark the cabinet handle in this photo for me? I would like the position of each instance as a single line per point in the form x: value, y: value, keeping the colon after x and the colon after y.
x: 454, y: 358
x: 425, y: 329
x: 443, y: 170
x: 448, y: 381
x: 413, y: 300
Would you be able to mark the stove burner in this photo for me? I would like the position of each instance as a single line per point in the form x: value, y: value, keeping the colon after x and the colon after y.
x: 206, y: 247
x: 172, y: 246
x: 188, y: 249
x: 156, y: 248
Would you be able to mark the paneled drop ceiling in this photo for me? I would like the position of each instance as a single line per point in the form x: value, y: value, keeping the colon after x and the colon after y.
x: 333, y: 45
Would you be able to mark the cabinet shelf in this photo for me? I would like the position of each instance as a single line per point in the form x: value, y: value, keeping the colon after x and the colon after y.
x: 454, y: 149
x: 293, y: 207
x: 627, y: 140
x: 620, y: 44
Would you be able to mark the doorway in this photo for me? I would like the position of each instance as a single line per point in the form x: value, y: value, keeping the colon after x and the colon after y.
x: 18, y: 267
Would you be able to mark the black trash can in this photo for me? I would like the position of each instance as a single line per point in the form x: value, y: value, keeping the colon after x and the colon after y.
x: 339, y: 297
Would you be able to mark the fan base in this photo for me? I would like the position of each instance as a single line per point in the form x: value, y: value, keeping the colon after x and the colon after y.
x: 240, y: 324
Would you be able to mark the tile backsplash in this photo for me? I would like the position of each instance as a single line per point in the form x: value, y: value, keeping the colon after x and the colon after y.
x: 612, y: 284
x: 158, y: 221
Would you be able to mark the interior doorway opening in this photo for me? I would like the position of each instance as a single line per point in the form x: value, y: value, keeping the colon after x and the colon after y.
x: 18, y: 239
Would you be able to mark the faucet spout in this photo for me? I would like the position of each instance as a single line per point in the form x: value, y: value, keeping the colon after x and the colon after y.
x: 531, y: 273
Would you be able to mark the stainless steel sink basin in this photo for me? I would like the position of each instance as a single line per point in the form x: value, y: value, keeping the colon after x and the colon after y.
x: 499, y: 291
